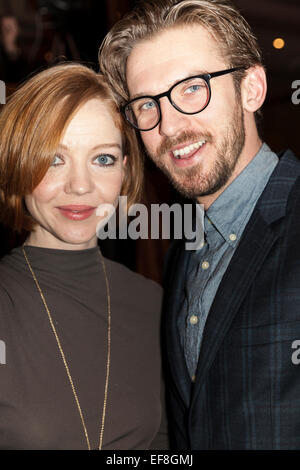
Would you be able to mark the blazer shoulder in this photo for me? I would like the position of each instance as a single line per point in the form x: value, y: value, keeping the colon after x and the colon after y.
x: 281, y: 189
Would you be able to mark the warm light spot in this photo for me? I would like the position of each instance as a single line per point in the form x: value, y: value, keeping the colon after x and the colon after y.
x: 278, y: 43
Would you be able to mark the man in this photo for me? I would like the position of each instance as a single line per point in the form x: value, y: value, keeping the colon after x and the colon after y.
x: 191, y: 78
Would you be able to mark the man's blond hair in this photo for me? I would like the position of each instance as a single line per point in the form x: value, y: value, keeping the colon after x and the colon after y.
x: 237, y: 43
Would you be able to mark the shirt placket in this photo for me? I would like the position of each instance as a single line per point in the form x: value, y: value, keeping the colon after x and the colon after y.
x: 197, y: 279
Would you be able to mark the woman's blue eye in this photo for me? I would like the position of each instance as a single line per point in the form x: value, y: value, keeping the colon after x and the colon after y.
x: 106, y: 160
x: 56, y: 161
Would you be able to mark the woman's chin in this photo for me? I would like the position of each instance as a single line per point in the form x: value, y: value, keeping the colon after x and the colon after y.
x: 76, y: 242
x: 63, y: 240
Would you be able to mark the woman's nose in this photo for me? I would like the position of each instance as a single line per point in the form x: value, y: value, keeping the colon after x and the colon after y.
x: 79, y: 180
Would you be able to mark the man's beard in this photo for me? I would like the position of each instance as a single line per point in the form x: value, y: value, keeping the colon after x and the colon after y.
x: 192, y: 182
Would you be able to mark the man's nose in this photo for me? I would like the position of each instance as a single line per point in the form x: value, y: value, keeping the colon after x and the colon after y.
x: 79, y: 180
x: 172, y: 122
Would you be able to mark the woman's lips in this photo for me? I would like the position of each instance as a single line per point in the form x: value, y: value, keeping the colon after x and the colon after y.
x: 76, y: 212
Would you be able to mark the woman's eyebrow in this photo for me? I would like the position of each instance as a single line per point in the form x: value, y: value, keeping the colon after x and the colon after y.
x: 98, y: 146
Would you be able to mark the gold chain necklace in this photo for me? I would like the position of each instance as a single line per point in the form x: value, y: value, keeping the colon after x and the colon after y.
x: 64, y: 358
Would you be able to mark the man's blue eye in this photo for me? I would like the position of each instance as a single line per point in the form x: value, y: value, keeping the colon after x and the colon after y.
x: 148, y: 105
x: 106, y: 160
x: 193, y: 89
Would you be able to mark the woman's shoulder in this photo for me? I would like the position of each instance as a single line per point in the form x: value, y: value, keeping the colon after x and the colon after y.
x: 132, y: 285
x: 11, y: 276
x: 5, y: 292
x: 8, y: 267
x: 120, y: 272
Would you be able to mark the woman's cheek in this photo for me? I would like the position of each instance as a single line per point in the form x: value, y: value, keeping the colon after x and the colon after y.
x: 47, y: 189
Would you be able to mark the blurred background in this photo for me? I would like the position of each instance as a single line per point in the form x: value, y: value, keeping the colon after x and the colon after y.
x: 35, y: 34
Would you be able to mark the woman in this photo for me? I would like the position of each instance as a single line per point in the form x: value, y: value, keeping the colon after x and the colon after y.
x: 81, y: 333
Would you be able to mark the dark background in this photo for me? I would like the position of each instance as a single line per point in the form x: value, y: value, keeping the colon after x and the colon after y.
x: 50, y: 31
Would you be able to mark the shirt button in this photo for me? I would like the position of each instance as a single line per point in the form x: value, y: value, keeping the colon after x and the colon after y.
x: 232, y: 237
x: 193, y: 320
x: 194, y: 378
x: 205, y: 265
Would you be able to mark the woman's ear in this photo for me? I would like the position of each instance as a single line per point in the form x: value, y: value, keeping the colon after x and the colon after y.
x: 254, y: 88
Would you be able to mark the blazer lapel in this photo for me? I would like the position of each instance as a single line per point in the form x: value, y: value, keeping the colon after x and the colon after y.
x: 246, y: 262
x: 257, y: 241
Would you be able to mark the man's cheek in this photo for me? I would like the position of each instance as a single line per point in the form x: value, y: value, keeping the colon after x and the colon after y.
x: 150, y: 142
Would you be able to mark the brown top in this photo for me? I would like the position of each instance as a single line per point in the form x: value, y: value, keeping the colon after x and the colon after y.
x: 37, y: 406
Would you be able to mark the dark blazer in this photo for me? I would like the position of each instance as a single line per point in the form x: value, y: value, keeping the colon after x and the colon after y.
x: 247, y: 389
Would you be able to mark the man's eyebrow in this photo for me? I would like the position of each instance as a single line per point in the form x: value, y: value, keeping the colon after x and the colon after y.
x: 191, y: 74
x: 96, y: 147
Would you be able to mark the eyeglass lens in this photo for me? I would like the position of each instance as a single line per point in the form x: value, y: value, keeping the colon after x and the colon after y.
x: 189, y: 96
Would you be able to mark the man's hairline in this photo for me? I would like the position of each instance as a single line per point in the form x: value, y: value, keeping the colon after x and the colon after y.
x: 156, y: 34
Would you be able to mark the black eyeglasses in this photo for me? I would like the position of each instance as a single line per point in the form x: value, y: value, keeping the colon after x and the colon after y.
x: 189, y: 96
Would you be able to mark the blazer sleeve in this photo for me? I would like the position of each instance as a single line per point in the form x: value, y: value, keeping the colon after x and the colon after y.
x: 161, y: 440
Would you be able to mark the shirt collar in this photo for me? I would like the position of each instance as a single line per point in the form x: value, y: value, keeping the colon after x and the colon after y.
x: 230, y: 212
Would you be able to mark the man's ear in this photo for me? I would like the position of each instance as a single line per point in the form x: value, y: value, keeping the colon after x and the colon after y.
x: 254, y: 88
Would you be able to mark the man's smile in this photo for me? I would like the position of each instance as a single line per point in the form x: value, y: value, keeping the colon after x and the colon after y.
x: 188, y: 150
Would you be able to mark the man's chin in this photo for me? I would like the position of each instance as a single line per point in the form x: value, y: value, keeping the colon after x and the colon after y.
x: 187, y: 188
x: 192, y: 188
x: 191, y: 183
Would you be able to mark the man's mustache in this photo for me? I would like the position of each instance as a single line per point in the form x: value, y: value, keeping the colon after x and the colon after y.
x: 185, y: 138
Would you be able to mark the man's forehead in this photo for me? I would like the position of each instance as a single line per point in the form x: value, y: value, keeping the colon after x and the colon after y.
x: 170, y: 56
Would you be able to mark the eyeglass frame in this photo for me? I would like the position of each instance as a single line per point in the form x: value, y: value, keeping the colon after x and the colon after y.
x: 206, y: 77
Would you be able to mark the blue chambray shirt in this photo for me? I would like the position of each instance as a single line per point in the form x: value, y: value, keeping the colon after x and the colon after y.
x: 224, y: 223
